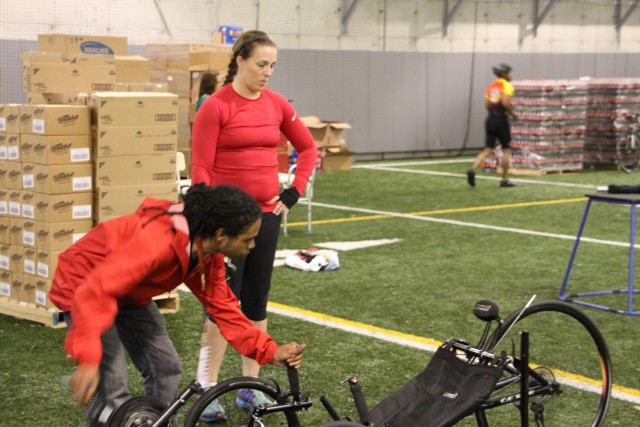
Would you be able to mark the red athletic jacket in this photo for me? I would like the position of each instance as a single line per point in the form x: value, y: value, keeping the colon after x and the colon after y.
x: 129, y: 260
x: 235, y: 142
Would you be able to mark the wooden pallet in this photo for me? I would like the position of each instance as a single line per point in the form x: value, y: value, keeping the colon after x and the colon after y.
x: 22, y: 310
x: 540, y: 172
x: 168, y: 302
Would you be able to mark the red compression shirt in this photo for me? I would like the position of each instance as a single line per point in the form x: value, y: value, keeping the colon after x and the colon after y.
x: 235, y: 142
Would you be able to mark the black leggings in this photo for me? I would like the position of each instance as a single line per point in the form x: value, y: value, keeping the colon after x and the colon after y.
x: 252, y: 280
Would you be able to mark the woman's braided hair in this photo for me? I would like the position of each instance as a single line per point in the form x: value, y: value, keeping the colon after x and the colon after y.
x: 208, y: 209
x: 244, y: 47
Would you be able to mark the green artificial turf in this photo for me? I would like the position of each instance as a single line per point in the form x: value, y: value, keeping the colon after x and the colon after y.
x: 476, y: 243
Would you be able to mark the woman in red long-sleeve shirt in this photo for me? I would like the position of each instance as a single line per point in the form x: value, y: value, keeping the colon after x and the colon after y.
x: 235, y: 138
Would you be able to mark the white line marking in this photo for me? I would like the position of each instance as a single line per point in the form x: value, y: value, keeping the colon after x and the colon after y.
x: 487, y: 178
x: 474, y: 225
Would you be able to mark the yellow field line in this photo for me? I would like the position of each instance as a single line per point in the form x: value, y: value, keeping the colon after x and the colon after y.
x: 398, y: 337
x: 440, y: 212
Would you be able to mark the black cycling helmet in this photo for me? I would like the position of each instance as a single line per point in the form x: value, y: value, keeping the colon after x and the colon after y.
x: 501, y: 70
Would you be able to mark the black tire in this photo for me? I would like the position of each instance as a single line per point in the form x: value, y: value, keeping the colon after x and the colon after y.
x: 628, y: 153
x: 137, y: 412
x: 566, y: 345
x: 226, y: 393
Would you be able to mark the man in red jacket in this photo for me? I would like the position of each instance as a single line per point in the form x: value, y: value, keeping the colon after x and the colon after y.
x: 105, y: 283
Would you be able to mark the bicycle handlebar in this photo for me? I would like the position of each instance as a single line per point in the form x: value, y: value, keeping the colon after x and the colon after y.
x: 294, y: 382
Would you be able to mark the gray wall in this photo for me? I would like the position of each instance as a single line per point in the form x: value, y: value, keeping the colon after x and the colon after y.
x: 399, y: 103
x: 403, y: 103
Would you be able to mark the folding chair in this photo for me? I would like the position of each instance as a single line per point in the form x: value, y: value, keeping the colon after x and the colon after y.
x: 181, y: 165
x: 285, y: 181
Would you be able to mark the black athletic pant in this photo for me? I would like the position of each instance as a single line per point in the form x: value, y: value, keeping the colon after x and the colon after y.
x: 252, y: 280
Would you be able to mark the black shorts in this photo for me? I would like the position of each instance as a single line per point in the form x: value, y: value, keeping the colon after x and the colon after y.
x: 497, y: 129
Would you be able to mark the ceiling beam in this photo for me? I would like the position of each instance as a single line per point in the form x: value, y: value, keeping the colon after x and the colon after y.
x: 539, y: 17
x: 448, y: 15
x: 347, y: 11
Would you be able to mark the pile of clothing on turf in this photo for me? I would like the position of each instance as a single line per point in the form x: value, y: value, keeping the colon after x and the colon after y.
x: 313, y: 259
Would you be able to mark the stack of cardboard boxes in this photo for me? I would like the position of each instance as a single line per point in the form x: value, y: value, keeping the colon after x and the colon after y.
x: 46, y: 188
x: 134, y: 141
x: 180, y: 66
x: 331, y: 140
x: 95, y: 139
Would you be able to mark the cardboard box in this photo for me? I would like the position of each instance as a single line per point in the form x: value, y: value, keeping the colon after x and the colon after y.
x: 44, y: 72
x: 326, y: 132
x: 4, y: 230
x: 58, y: 236
x: 112, y: 202
x: 26, y: 115
x: 60, y: 207
x: 57, y: 179
x: 184, y: 56
x: 4, y: 202
x: 14, y: 199
x: 60, y: 120
x: 5, y: 251
x: 6, y: 277
x: 16, y: 286
x: 122, y: 171
x: 56, y: 149
x: 43, y: 286
x: 134, y: 141
x: 10, y: 175
x: 148, y: 87
x: 46, y: 263
x: 132, y: 69
x: 10, y: 118
x: 10, y: 146
x: 52, y: 98
x: 27, y: 201
x: 29, y: 263
x: 336, y: 158
x: 16, y: 259
x: 90, y: 45
x: 22, y: 231
x: 133, y: 109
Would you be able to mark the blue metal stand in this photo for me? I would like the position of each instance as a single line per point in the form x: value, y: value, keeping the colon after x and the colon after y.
x: 622, y: 199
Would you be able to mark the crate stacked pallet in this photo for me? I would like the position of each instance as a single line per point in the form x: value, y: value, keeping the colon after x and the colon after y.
x: 608, y: 99
x: 46, y: 178
x: 549, y: 134
x: 48, y: 159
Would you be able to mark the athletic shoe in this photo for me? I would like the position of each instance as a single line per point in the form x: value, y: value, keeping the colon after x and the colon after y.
x: 213, y: 414
x: 507, y: 183
x: 471, y: 177
x: 249, y: 399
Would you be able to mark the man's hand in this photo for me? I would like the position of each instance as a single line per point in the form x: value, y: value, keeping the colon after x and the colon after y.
x: 84, y: 383
x: 289, y: 354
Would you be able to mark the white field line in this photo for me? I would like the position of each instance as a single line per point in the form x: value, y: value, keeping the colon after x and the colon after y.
x: 414, y: 163
x: 463, y: 175
x: 475, y: 225
x: 427, y: 344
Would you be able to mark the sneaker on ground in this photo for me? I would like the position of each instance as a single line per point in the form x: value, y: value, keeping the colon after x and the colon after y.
x: 471, y: 177
x: 507, y: 183
x: 213, y: 414
x: 249, y: 399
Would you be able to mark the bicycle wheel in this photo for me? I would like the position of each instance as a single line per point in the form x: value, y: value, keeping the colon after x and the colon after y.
x: 226, y: 393
x: 563, y: 344
x: 628, y: 153
x: 137, y: 412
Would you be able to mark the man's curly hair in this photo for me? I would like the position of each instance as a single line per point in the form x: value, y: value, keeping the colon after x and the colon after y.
x: 208, y: 209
